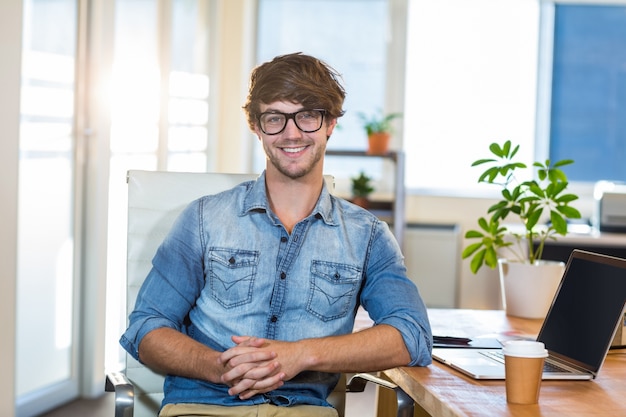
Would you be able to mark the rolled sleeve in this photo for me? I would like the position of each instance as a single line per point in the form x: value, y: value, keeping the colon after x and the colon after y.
x: 138, y: 329
x: 391, y: 298
x: 417, y: 338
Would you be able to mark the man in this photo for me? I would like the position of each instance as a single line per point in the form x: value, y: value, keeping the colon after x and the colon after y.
x: 250, y: 303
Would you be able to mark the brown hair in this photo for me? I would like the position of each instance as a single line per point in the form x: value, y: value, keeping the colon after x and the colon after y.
x: 296, y: 78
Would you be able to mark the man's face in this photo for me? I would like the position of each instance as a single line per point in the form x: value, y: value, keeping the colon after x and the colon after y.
x: 292, y: 152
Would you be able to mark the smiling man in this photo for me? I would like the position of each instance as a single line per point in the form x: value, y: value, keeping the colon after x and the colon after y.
x: 251, y: 300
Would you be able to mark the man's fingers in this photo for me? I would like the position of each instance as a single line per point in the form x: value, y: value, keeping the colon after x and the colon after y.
x: 247, y: 388
x: 251, y: 371
x: 249, y: 341
x: 251, y: 393
x: 235, y: 375
x: 237, y: 356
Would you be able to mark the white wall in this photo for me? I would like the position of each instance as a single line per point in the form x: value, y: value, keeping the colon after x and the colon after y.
x: 475, y: 291
x: 10, y: 50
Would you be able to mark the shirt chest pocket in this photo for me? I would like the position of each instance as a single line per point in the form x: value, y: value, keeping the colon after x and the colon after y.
x: 231, y: 274
x: 333, y: 289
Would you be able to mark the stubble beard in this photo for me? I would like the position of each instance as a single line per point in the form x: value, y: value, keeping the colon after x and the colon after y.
x: 295, y: 170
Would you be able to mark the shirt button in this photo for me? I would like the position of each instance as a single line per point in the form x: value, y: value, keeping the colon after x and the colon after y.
x: 283, y: 239
x: 274, y: 319
x: 283, y: 275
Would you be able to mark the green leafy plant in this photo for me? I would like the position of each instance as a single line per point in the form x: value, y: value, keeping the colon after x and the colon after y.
x: 361, y: 185
x: 528, y: 200
x: 378, y: 122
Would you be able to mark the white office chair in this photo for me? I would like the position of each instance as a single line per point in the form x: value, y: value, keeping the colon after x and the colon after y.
x: 154, y: 201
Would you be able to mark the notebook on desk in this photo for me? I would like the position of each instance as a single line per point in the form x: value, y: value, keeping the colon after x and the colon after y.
x: 578, y: 328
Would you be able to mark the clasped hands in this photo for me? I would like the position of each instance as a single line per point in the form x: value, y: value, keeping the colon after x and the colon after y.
x: 255, y: 366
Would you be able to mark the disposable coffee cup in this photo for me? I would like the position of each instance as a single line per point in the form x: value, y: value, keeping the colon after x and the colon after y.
x: 523, y: 362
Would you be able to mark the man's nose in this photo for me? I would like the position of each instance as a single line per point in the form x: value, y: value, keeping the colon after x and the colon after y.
x: 291, y: 128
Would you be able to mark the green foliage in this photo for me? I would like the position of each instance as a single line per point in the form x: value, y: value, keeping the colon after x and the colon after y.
x: 361, y: 185
x: 528, y: 201
x: 378, y: 122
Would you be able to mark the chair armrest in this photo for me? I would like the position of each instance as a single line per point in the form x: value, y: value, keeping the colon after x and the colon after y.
x: 406, y: 404
x: 124, y: 393
x: 358, y: 382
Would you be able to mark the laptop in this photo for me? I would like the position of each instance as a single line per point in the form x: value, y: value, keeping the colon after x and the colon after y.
x: 578, y: 329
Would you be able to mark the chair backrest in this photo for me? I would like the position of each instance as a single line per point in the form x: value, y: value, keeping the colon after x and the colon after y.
x: 155, y: 199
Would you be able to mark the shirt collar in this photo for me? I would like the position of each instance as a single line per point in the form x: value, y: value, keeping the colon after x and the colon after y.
x: 256, y: 199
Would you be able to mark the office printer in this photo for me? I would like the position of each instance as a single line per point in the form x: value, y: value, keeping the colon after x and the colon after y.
x: 610, y: 199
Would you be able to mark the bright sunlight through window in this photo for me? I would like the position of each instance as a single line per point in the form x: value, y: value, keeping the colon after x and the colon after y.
x: 471, y: 80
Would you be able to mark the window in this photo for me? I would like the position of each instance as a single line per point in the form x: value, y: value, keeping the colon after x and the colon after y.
x: 46, y: 334
x: 159, y: 120
x: 550, y: 76
x: 588, y: 122
x: 470, y: 80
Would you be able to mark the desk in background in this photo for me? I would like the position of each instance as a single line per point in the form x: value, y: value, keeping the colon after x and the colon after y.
x: 444, y: 392
x: 613, y: 244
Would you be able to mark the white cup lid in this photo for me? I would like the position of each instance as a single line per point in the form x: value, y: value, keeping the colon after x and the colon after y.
x: 525, y: 349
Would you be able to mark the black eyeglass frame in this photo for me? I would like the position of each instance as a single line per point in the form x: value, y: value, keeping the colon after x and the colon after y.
x: 291, y: 116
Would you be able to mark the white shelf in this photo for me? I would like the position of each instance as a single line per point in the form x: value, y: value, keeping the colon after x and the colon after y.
x: 393, y: 211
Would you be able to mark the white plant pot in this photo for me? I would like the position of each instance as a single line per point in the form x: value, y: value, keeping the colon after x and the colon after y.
x: 528, y: 289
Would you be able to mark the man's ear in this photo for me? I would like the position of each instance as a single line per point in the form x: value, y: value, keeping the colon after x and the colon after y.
x: 257, y: 131
x: 330, y: 127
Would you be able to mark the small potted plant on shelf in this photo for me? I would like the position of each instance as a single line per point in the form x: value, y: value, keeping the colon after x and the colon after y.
x: 379, y: 129
x: 529, y: 201
x: 361, y: 189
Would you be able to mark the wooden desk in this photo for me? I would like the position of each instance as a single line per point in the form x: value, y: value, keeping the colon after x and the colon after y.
x: 444, y: 392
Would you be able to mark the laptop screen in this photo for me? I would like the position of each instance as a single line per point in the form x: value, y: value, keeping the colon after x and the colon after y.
x: 584, y: 314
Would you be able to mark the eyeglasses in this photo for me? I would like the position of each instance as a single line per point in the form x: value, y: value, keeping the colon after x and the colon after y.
x: 308, y: 121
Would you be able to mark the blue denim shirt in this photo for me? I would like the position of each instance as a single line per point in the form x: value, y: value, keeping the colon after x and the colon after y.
x: 229, y: 267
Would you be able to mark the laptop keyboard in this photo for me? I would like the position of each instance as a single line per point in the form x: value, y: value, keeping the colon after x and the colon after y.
x: 547, y: 366
x: 496, y: 356
x: 553, y: 367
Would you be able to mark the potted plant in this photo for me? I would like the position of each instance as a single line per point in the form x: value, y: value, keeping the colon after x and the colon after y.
x: 379, y: 129
x: 529, y: 201
x: 361, y: 189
